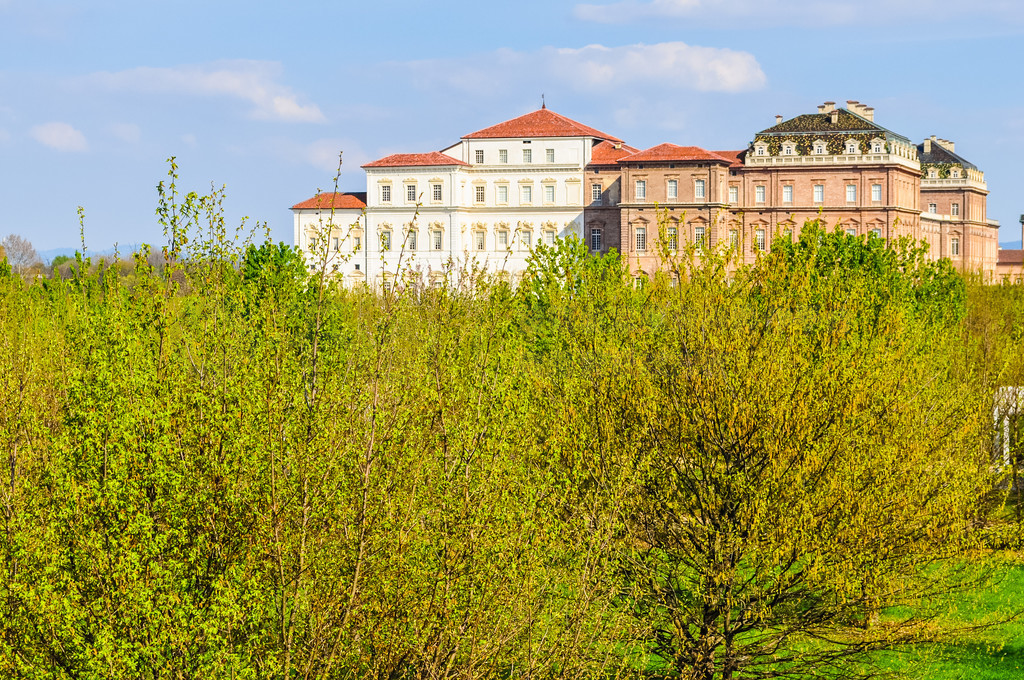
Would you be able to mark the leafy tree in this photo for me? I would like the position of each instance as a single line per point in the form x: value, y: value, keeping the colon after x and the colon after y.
x: 807, y: 457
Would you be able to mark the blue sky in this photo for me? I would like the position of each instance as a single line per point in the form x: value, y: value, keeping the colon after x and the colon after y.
x: 260, y: 97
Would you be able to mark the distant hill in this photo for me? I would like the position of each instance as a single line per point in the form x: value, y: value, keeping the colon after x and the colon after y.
x: 1011, y: 245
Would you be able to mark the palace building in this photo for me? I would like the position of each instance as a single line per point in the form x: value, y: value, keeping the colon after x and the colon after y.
x: 483, y: 203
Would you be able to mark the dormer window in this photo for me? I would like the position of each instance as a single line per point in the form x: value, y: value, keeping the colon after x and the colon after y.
x: 955, y: 173
x: 851, y: 147
x: 819, y: 148
x: 877, y: 146
x: 932, y: 173
x: 788, y: 148
x: 761, y: 150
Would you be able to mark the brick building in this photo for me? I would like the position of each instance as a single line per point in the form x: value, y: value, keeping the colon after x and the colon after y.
x: 485, y: 201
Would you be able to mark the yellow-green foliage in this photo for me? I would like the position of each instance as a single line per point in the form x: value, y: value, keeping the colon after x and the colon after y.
x: 231, y: 468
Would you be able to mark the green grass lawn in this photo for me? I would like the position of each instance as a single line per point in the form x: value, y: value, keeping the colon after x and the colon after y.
x: 991, y: 653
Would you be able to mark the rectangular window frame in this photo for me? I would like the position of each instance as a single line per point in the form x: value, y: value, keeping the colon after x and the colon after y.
x: 699, y: 189
x: 672, y: 188
x: 641, y: 189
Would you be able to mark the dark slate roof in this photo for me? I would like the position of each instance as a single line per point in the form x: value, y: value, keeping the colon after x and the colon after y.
x: 940, y: 154
x: 846, y: 121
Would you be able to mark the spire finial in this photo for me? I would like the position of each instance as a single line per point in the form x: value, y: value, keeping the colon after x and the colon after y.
x: 543, y: 105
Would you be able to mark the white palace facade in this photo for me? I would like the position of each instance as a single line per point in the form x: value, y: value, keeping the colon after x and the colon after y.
x: 481, y: 203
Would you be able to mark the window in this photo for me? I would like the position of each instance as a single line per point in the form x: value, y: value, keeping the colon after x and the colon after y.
x: 954, y: 173
x: 759, y: 239
x: 851, y: 231
x: 503, y: 155
x: 851, y: 147
x: 595, y: 240
x: 760, y: 151
x: 436, y: 235
x: 819, y: 149
x: 502, y: 193
x: 819, y: 193
x: 595, y: 194
x: 673, y: 238
x: 480, y: 240
x: 851, y: 193
x: 385, y: 240
x: 932, y: 208
x: 734, y: 239
x: 759, y: 193
x: 527, y: 193
x: 357, y: 243
x: 435, y: 190
x: 410, y: 193
x: 876, y: 232
x: 698, y: 236
x: 549, y: 155
x: 478, y: 193
x: 787, y: 193
x: 526, y: 239
x: 385, y: 193
x: 876, y: 192
x: 549, y: 193
x: 954, y: 245
x: 527, y: 155
x: 334, y: 244
x: 734, y: 194
x: 641, y: 239
x: 876, y: 147
x: 641, y: 190
x: 410, y: 240
x: 479, y: 155
x: 698, y: 189
x: 954, y: 209
x: 549, y: 238
x: 673, y: 188
x: 503, y: 238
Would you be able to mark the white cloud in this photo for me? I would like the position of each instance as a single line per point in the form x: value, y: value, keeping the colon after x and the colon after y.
x: 595, y: 68
x: 792, y: 12
x: 253, y: 81
x: 59, y: 136
x: 126, y: 132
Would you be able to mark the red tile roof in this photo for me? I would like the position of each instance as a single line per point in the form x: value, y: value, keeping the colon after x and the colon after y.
x: 540, y: 123
x: 405, y: 160
x: 1010, y: 257
x: 337, y: 201
x: 736, y: 157
x: 607, y: 153
x: 674, y: 152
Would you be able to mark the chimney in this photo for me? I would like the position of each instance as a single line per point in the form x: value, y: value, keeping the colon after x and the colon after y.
x: 928, y: 145
x: 869, y: 113
x: 821, y: 108
x: 853, y: 105
x: 778, y: 119
x: 829, y: 107
x: 835, y: 116
x: 946, y: 144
